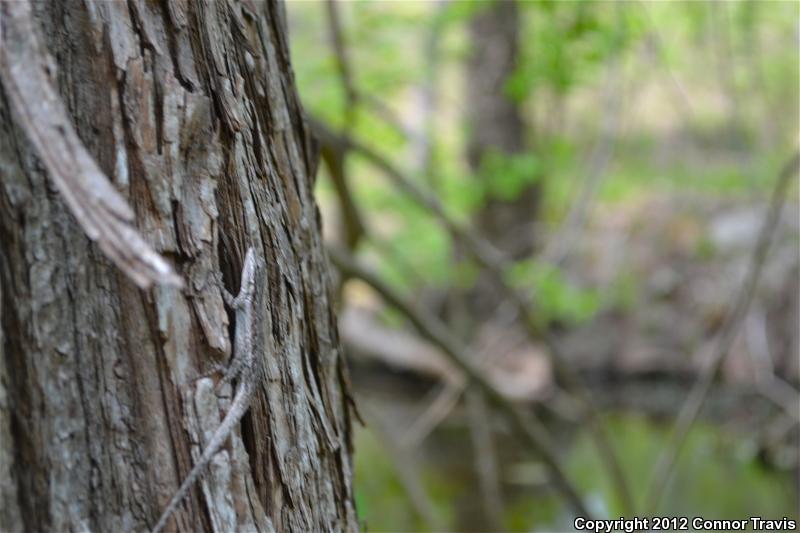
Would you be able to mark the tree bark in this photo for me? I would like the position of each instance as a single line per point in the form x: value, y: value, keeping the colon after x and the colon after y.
x: 191, y: 109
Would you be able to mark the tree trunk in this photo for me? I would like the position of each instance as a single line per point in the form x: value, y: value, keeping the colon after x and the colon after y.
x: 191, y: 109
x: 496, y: 123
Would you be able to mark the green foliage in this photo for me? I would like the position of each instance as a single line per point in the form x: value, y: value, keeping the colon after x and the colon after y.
x: 705, y: 248
x: 465, y: 275
x: 566, y: 43
x: 563, y: 48
x: 639, y: 177
x: 465, y: 195
x: 554, y: 296
x: 382, y: 32
x: 380, y: 497
x: 460, y: 13
x: 623, y: 294
x: 425, y: 246
x: 707, y: 463
x: 505, y: 176
x: 520, y: 514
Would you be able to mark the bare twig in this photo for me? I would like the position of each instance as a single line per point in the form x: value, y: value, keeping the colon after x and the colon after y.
x: 485, y: 460
x: 26, y: 70
x: 719, y: 31
x: 334, y: 155
x: 429, y: 326
x: 446, y: 399
x: 353, y: 96
x: 691, y: 408
x: 781, y: 394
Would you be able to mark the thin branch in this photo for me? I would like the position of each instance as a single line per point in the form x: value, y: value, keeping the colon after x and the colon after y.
x: 484, y: 252
x: 390, y: 117
x: 103, y: 214
x: 658, y: 44
x: 447, y: 398
x: 342, y: 62
x: 781, y: 394
x: 429, y: 326
x: 485, y: 457
x: 445, y: 401
x: 353, y: 96
x: 406, y: 468
x: 334, y: 155
x: 564, y: 238
x: 769, y: 385
x: 691, y: 408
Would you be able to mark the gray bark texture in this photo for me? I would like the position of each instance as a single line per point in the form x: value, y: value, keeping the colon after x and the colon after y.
x: 190, y: 109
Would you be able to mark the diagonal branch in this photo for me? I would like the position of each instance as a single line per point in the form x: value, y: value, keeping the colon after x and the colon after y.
x: 493, y: 262
x: 353, y: 96
x: 103, y: 214
x: 334, y: 154
x: 691, y: 409
x: 529, y: 429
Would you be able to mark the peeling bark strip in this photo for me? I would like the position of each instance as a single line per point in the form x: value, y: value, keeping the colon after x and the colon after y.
x: 99, y: 208
x: 190, y: 109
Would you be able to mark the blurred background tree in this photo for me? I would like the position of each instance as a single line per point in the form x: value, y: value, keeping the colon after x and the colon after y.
x: 568, y: 241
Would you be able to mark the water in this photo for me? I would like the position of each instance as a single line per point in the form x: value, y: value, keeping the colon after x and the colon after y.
x: 720, y: 476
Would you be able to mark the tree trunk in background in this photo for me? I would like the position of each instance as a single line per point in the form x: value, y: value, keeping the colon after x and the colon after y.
x: 101, y: 410
x: 495, y: 126
x: 495, y: 123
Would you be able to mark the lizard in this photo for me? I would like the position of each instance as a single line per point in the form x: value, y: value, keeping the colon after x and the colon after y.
x: 245, y: 365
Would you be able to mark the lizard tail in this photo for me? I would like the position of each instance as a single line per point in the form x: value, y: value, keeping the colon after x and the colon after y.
x: 238, y: 408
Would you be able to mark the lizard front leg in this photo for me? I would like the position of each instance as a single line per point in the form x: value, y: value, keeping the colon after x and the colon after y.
x: 242, y: 305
